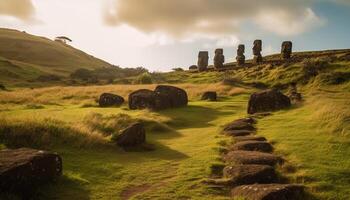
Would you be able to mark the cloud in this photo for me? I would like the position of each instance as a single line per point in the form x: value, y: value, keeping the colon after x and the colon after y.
x: 20, y: 9
x: 211, y: 17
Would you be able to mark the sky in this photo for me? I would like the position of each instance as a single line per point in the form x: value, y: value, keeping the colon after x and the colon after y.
x: 163, y: 34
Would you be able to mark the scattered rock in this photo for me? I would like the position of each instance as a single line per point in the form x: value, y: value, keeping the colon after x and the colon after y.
x: 211, y: 96
x: 250, y: 174
x: 286, y: 50
x: 22, y: 170
x: 176, y: 97
x: 267, y: 100
x: 219, y: 59
x: 269, y: 192
x: 142, y: 99
x: 203, y: 59
x: 134, y: 135
x: 249, y: 138
x: 252, y: 146
x: 162, y: 98
x: 193, y: 67
x: 108, y: 100
x: 240, y: 55
x: 237, y: 133
x: 252, y: 157
x: 257, y: 48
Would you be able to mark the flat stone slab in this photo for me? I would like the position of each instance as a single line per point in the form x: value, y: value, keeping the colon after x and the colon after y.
x: 236, y: 133
x: 249, y: 138
x: 269, y: 192
x: 250, y: 174
x: 23, y: 169
x: 252, y: 157
x: 251, y: 145
x: 241, y: 124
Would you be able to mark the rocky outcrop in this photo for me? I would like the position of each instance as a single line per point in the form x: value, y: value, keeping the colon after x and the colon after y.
x: 132, y: 136
x: 162, y: 97
x: 240, y: 55
x: 257, y: 48
x: 203, y: 60
x: 219, y: 59
x: 24, y: 169
x: 268, y: 100
x: 286, y: 50
x: 109, y: 100
x: 211, y: 96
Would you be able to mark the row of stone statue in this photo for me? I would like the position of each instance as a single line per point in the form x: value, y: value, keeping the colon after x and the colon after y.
x: 219, y: 58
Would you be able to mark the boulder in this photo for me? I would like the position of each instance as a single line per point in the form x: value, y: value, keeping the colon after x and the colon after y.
x: 177, y: 97
x: 237, y: 133
x: 250, y: 174
x: 269, y: 192
x: 162, y: 97
x: 108, y: 100
x: 134, y: 135
x: 286, y: 50
x: 261, y: 146
x: 193, y: 67
x: 252, y: 157
x: 249, y: 138
x: 219, y: 59
x: 211, y: 96
x: 267, y: 100
x: 24, y: 169
x: 203, y: 60
x: 142, y: 99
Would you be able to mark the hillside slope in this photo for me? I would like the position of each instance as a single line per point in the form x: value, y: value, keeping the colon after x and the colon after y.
x: 24, y: 57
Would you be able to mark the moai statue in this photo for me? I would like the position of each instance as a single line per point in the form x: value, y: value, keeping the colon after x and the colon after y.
x: 257, y: 48
x: 286, y: 50
x: 203, y: 59
x: 219, y: 59
x: 240, y: 55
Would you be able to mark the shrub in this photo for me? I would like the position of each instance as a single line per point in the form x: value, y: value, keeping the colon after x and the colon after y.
x: 312, y: 67
x: 82, y: 74
x: 178, y: 69
x: 2, y: 87
x: 144, y: 78
x: 334, y: 78
x: 48, y: 78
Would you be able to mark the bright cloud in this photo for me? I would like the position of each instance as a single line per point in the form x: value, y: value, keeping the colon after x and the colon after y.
x: 219, y: 18
x: 20, y: 9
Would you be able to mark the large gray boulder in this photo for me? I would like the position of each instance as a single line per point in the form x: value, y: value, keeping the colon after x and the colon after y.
x: 142, y: 99
x: 175, y: 96
x: 267, y: 100
x: 22, y: 170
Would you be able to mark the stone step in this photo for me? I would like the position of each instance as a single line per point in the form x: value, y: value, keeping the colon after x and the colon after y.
x: 241, y: 124
x: 251, y: 145
x: 236, y: 133
x: 250, y: 174
x: 269, y: 192
x: 252, y: 157
x: 249, y: 138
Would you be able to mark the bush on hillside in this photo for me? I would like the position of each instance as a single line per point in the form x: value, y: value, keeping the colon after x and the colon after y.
x: 48, y: 78
x: 82, y: 74
x: 312, y: 67
x: 178, y: 69
x: 334, y: 78
x: 144, y: 78
x: 2, y: 87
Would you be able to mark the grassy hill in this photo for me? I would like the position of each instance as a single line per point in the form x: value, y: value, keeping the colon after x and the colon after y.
x: 24, y: 57
x: 313, y: 136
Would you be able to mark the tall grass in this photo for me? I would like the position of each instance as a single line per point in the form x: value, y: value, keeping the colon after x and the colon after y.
x: 89, y: 94
x: 47, y: 133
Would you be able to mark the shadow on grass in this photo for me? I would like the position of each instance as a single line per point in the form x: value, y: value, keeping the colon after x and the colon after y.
x: 65, y: 188
x: 192, y: 116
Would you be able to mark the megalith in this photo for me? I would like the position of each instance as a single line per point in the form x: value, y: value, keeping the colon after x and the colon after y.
x: 257, y: 48
x: 219, y: 59
x: 286, y: 50
x: 240, y: 55
x: 203, y: 59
